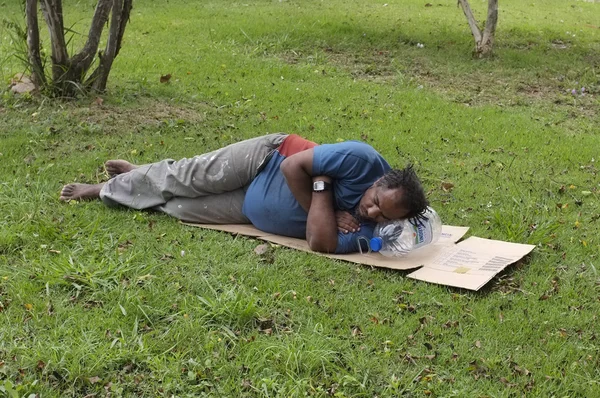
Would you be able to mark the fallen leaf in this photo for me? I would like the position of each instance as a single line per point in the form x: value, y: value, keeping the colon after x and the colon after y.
x: 165, y: 78
x: 563, y: 332
x: 41, y: 365
x: 478, y: 344
x: 94, y: 379
x: 521, y: 370
x: 450, y: 324
x: 28, y: 307
x: 447, y: 186
x: 261, y: 249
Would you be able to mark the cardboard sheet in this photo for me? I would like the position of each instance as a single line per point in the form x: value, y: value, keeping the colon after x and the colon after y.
x: 469, y: 264
x: 450, y: 235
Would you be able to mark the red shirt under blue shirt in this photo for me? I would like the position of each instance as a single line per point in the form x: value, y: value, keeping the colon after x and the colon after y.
x: 354, y: 167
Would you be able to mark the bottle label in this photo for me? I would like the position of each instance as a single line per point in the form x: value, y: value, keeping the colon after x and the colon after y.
x: 423, y: 234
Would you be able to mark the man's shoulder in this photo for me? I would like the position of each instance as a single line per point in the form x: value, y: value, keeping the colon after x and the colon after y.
x: 352, y: 145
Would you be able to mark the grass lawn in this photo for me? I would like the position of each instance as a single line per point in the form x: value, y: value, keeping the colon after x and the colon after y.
x: 100, y: 302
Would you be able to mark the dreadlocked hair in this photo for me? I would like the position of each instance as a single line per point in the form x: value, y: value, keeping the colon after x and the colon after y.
x: 413, y: 195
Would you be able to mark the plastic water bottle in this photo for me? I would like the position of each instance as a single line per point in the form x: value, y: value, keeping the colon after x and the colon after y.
x: 397, y: 238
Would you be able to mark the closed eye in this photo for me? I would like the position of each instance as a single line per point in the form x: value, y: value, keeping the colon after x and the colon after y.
x: 376, y: 202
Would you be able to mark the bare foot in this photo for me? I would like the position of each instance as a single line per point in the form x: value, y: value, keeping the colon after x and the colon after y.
x: 80, y: 191
x: 116, y: 167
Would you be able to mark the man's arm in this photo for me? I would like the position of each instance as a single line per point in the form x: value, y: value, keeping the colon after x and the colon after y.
x: 321, y: 226
x: 297, y: 170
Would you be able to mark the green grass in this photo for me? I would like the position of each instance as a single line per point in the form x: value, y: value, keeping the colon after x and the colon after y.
x: 98, y: 301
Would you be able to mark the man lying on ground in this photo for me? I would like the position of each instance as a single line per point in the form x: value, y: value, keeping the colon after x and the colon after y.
x: 282, y: 184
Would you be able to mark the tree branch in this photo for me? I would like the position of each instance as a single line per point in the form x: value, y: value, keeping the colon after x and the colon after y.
x: 52, y: 10
x: 33, y: 43
x: 464, y: 4
x: 115, y: 28
x: 491, y: 22
x: 121, y: 10
x: 127, y: 5
x: 85, y: 57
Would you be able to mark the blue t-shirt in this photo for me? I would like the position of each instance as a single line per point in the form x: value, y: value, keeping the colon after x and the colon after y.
x: 354, y: 167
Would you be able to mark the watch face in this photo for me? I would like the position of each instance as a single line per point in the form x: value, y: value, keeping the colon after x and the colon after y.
x: 318, y: 186
x: 321, y: 186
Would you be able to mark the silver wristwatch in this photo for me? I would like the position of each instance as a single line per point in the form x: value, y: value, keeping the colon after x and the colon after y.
x: 321, y: 186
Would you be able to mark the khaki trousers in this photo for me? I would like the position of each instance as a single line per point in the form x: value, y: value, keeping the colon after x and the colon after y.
x: 208, y: 188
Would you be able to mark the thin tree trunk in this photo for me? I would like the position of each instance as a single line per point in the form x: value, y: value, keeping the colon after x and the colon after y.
x: 484, y: 41
x: 490, y: 25
x: 120, y: 15
x: 33, y: 43
x: 85, y: 57
x: 52, y: 10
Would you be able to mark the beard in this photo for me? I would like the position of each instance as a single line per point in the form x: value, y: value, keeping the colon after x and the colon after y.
x: 360, y: 218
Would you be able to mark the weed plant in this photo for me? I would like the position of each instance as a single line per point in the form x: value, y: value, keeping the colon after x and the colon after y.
x: 103, y: 302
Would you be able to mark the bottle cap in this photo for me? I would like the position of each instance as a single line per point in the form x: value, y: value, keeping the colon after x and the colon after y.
x: 376, y: 244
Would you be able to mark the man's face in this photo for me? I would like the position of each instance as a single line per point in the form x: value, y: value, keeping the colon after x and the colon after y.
x: 378, y: 204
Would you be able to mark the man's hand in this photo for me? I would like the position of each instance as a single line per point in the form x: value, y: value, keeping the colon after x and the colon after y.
x: 346, y: 222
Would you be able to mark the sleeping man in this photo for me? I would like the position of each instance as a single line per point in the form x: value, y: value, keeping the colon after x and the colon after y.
x: 283, y: 184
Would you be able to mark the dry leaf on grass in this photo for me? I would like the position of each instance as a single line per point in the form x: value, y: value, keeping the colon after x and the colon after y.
x: 94, y: 379
x: 261, y: 249
x: 447, y: 186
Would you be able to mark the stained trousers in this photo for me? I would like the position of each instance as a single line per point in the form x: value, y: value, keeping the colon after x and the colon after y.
x: 208, y: 188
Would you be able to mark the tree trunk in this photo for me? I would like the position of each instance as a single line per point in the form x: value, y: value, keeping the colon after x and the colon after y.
x: 484, y: 40
x: 52, y: 11
x: 69, y: 74
x: 33, y: 43
x: 121, y: 10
